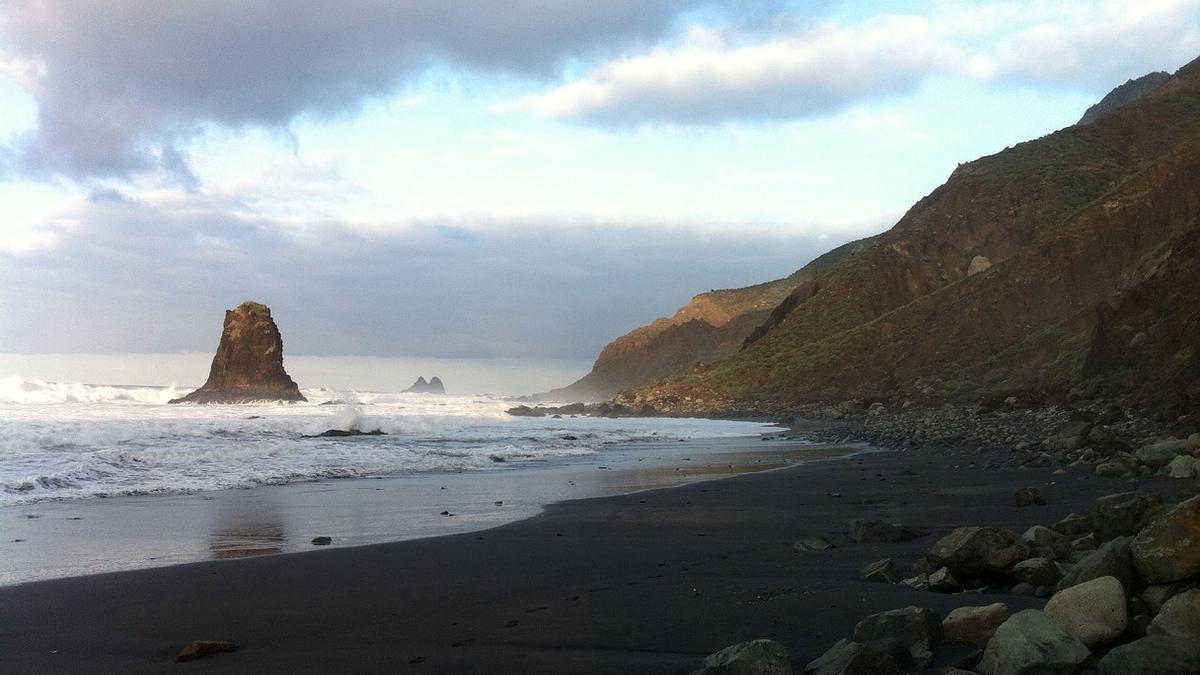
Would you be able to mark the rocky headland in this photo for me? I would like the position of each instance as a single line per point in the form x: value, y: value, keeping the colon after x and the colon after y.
x: 1059, y: 273
x: 248, y: 365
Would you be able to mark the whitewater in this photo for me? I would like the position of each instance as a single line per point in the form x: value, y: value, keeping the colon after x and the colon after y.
x: 68, y: 441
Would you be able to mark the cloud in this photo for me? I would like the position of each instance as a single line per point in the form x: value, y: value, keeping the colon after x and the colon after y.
x: 707, y: 80
x: 808, y: 71
x: 121, y: 85
x: 1101, y: 44
x: 154, y: 275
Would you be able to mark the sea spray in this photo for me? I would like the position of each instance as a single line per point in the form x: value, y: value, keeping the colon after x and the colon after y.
x: 349, y: 418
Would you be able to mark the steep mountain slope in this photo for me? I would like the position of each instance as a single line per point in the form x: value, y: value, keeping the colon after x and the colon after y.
x: 994, y: 283
x: 712, y: 325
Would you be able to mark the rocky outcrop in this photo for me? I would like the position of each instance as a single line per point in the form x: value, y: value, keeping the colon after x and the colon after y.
x: 1124, y: 95
x: 421, y: 386
x: 248, y: 365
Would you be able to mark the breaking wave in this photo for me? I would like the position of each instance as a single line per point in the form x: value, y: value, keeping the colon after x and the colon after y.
x: 15, y: 389
x: 71, y: 440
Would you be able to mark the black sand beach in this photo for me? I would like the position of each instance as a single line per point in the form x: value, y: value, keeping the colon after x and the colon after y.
x: 650, y: 582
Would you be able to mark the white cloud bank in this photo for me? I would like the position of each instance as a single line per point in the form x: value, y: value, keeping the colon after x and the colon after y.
x: 714, y: 78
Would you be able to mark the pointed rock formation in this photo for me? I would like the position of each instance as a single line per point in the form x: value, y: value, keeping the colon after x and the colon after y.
x: 248, y: 365
x: 433, y: 386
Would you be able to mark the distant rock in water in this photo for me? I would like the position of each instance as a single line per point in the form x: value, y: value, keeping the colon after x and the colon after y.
x: 433, y: 386
x: 341, y: 433
x: 248, y: 365
x: 1124, y: 95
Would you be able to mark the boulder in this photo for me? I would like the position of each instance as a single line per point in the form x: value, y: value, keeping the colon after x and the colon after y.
x: 1124, y: 514
x: 1037, y: 571
x: 1168, y: 549
x: 980, y: 551
x: 1157, y: 655
x: 756, y: 657
x: 199, y: 649
x: 1073, y: 525
x: 1029, y: 643
x: 812, y: 544
x: 1154, y: 597
x: 1183, y: 466
x: 974, y: 626
x: 1029, y: 496
x: 1179, y: 616
x: 1113, y: 559
x: 863, y: 531
x: 907, y: 633
x: 882, y: 571
x: 1093, y: 612
x: 248, y: 365
x: 852, y: 658
x: 1047, y: 543
x: 919, y: 582
x: 1158, y: 455
x: 1070, y: 436
x: 322, y: 541
x: 942, y: 581
x: 1118, y: 466
x: 1083, y: 544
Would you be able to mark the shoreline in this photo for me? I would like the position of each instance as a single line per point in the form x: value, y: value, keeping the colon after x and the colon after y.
x: 648, y: 582
x: 68, y: 538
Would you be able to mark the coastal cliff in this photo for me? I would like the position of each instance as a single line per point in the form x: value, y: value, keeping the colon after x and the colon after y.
x: 248, y: 365
x: 712, y: 325
x: 1011, y: 279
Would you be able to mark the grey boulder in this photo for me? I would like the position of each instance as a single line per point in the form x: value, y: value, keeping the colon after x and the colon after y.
x: 756, y: 657
x: 1029, y: 643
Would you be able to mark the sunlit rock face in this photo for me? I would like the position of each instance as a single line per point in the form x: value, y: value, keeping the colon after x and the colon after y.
x: 248, y: 365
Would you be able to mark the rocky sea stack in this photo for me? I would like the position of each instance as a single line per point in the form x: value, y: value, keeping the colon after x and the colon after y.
x: 433, y: 386
x: 248, y: 365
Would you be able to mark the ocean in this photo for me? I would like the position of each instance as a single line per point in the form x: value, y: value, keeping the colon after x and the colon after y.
x: 61, y: 441
x: 103, y: 478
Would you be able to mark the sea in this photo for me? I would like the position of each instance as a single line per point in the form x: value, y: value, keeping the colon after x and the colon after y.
x: 61, y: 441
x: 105, y: 478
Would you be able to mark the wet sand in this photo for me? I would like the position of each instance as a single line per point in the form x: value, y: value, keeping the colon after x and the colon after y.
x: 648, y: 582
x: 71, y: 538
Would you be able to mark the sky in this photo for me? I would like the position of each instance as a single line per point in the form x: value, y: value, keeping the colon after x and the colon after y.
x: 471, y: 179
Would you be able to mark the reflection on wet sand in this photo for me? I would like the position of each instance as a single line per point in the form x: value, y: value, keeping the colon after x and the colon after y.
x: 244, y: 530
x: 712, y: 466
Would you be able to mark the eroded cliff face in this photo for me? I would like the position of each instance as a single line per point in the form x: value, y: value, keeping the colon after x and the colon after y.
x: 1066, y: 224
x: 248, y: 365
